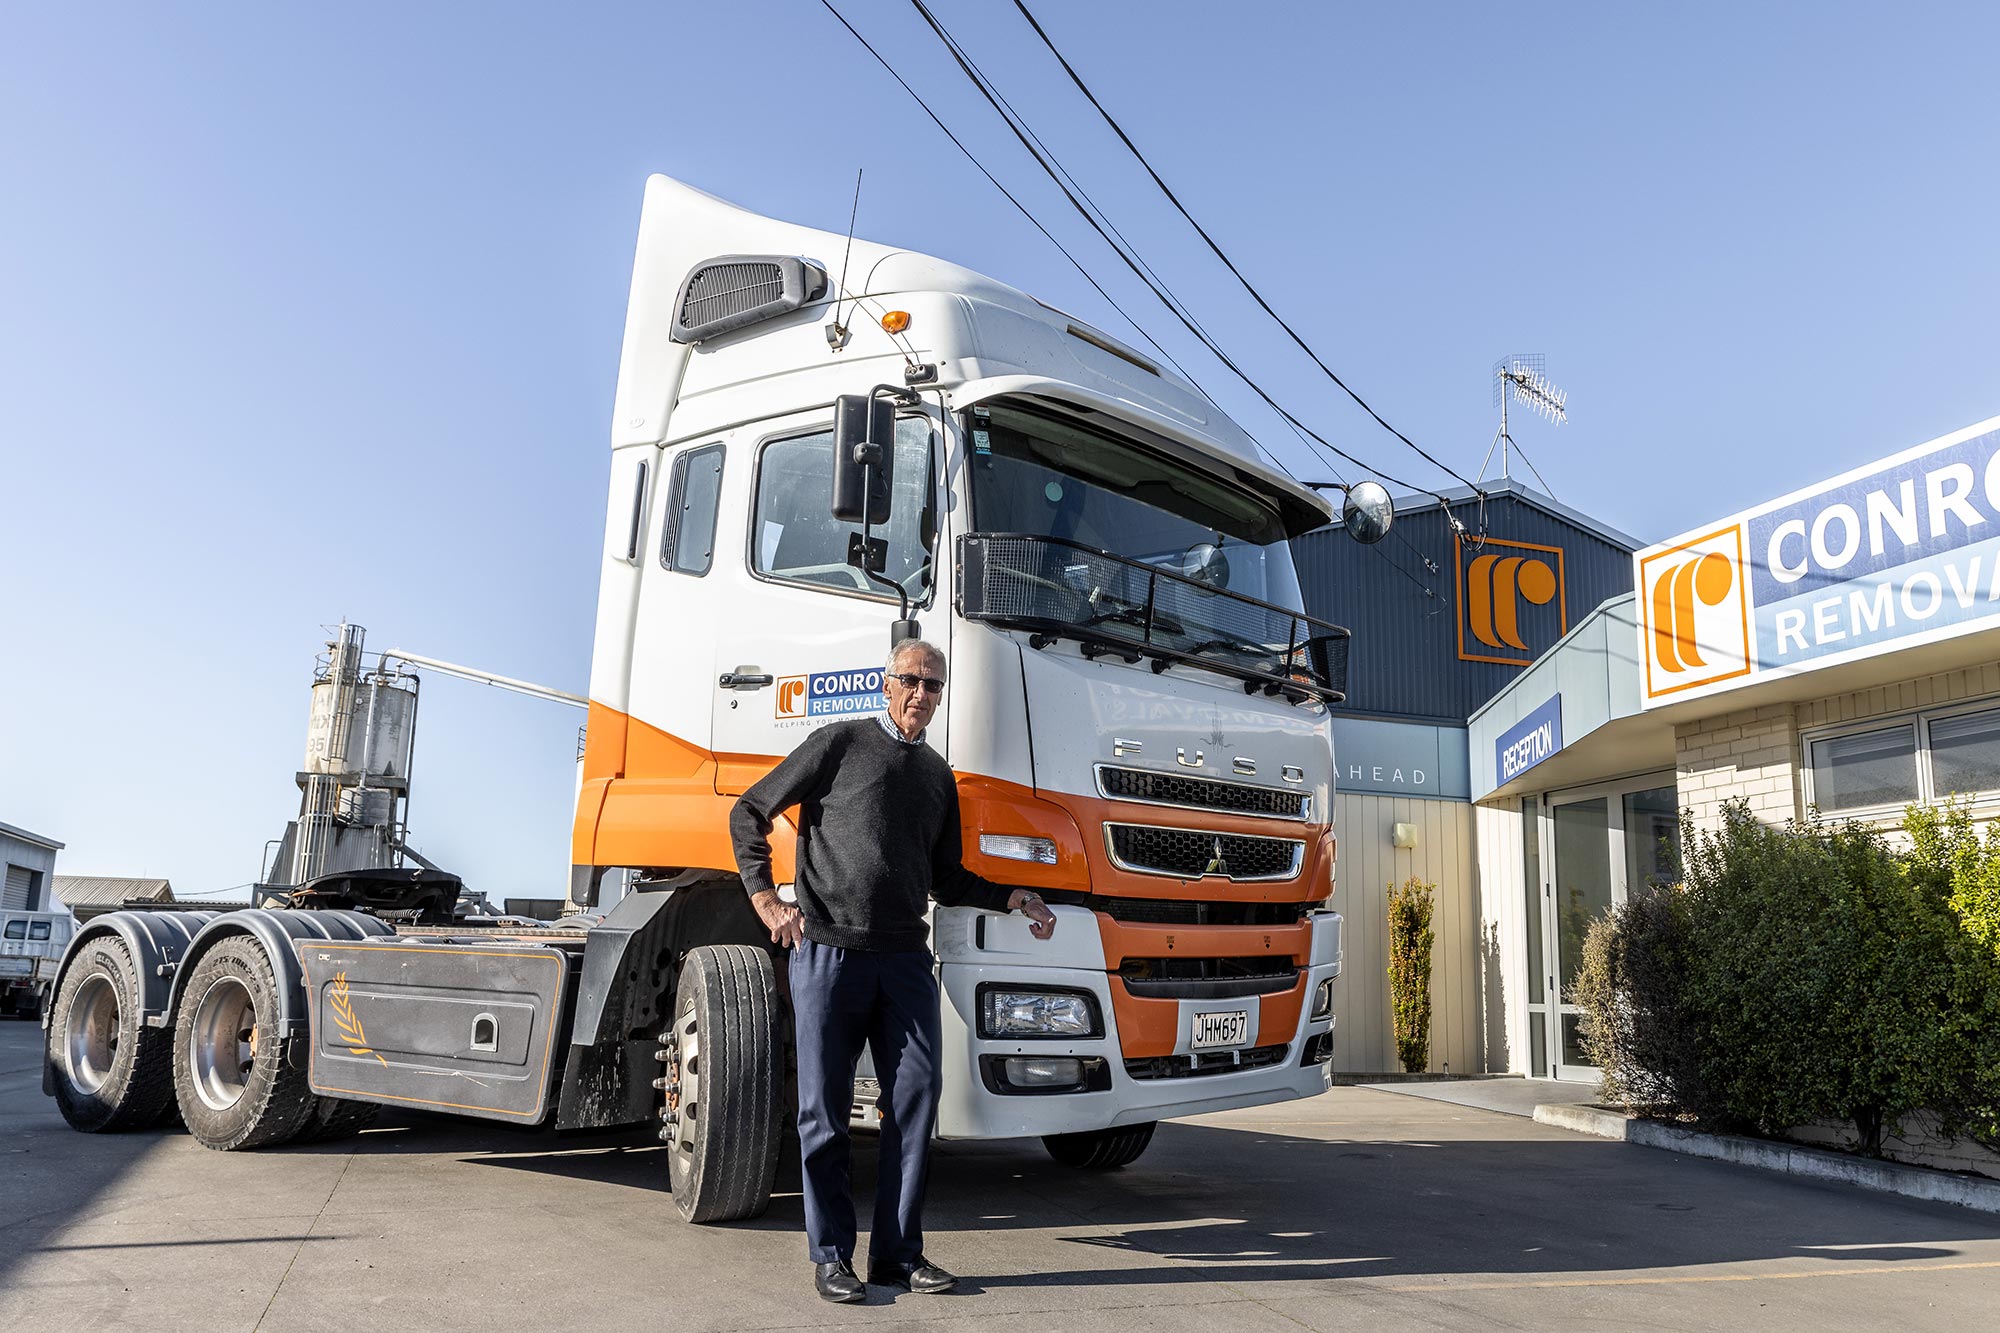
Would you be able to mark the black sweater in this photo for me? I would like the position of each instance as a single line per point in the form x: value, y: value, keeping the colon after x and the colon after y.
x: 878, y: 834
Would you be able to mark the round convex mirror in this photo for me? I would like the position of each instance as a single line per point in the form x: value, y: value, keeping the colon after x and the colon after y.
x: 1367, y: 512
x: 1205, y: 563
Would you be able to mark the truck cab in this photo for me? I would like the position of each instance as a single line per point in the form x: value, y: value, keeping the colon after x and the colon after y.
x: 1137, y: 710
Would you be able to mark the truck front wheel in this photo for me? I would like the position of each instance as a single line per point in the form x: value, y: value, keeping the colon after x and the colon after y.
x: 235, y: 1087
x: 1100, y: 1149
x: 112, y: 1072
x: 724, y: 1091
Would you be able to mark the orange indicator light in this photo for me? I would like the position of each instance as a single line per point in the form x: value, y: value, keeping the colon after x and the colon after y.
x: 896, y: 321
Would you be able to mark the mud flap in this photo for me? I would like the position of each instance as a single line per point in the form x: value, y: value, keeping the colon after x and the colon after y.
x: 468, y: 1027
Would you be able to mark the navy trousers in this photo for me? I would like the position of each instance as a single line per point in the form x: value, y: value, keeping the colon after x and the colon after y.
x: 841, y: 1000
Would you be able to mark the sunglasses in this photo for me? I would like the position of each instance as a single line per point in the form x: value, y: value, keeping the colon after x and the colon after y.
x: 931, y: 684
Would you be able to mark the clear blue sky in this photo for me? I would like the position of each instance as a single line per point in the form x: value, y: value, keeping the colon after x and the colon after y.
x: 313, y: 312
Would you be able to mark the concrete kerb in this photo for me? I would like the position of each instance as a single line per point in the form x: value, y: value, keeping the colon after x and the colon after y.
x: 1915, y: 1182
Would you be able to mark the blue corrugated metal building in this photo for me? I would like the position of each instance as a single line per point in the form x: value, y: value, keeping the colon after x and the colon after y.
x: 1443, y: 620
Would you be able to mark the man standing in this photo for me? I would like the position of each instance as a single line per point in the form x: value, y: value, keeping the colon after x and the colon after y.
x: 878, y: 836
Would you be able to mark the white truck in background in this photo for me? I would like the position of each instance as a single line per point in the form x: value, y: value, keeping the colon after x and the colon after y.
x: 802, y: 463
x: 31, y: 946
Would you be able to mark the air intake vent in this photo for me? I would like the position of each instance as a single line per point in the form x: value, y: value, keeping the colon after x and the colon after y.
x: 1140, y: 784
x: 1195, y: 853
x: 734, y: 291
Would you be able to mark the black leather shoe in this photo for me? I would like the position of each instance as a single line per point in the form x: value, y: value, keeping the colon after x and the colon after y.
x: 922, y: 1277
x: 836, y: 1282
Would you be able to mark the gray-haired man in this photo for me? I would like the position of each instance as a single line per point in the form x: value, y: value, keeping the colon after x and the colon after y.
x: 878, y: 837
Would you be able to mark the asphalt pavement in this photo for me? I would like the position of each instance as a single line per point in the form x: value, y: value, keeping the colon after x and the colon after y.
x: 1357, y: 1209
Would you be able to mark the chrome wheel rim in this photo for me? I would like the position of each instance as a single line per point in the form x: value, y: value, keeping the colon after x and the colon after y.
x: 92, y: 1033
x: 686, y: 1066
x: 224, y: 1043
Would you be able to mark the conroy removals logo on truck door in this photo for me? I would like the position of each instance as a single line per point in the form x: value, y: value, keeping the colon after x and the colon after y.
x: 1894, y: 554
x: 829, y: 694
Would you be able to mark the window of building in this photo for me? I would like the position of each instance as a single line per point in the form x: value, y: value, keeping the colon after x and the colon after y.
x: 795, y: 538
x: 1965, y: 753
x: 1877, y: 769
x: 694, y: 493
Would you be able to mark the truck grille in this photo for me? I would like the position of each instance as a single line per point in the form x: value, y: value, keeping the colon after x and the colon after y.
x: 1139, y: 784
x: 1193, y: 853
x: 1207, y: 978
x: 1183, y: 912
x: 1205, y: 1062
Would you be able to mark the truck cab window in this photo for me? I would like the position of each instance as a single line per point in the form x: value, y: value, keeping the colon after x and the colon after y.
x: 795, y: 538
x: 17, y: 930
x: 693, y: 493
x: 1046, y: 476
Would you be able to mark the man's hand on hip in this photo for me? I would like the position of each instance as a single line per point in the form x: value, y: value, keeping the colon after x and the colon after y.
x: 786, y: 922
x: 1041, y: 921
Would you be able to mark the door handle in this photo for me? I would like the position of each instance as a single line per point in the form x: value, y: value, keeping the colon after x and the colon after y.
x: 744, y: 680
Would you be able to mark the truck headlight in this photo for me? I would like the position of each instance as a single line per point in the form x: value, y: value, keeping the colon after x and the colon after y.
x: 1016, y: 847
x: 1007, y: 1012
x: 1323, y: 999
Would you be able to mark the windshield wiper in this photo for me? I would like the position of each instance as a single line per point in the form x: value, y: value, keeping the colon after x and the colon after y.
x: 1243, y: 646
x: 1127, y: 613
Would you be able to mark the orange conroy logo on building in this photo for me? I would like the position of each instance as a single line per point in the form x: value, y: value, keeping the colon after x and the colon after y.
x: 1695, y: 613
x: 1512, y: 598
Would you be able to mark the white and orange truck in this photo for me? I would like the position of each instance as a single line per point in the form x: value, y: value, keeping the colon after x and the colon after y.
x: 817, y: 442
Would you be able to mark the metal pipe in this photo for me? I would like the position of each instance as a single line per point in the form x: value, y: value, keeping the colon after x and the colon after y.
x: 526, y: 687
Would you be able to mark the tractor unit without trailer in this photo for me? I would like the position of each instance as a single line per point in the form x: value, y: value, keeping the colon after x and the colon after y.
x: 802, y: 465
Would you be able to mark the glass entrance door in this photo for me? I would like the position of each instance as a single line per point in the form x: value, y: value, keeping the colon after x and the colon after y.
x: 1584, y: 851
x: 1583, y: 890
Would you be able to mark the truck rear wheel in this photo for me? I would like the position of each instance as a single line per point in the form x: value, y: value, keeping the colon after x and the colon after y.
x: 1100, y: 1149
x: 235, y: 1087
x: 112, y: 1072
x: 724, y: 1090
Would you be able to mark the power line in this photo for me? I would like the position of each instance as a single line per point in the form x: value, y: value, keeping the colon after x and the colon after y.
x: 1201, y: 231
x: 1005, y: 192
x: 981, y: 85
x: 1167, y: 299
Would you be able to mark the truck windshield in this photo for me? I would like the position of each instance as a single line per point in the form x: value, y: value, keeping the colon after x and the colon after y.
x: 1047, y: 477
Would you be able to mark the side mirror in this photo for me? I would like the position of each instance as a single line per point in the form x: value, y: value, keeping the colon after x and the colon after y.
x: 1205, y: 563
x: 1367, y: 512
x: 864, y: 457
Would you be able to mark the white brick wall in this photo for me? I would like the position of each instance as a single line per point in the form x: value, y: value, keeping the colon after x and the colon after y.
x: 1752, y: 753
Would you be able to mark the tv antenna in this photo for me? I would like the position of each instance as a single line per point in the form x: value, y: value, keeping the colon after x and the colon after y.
x: 1524, y: 379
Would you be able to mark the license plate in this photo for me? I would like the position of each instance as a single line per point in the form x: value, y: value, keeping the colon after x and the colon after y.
x: 1219, y: 1030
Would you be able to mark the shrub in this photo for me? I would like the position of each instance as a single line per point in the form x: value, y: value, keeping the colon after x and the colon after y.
x: 1410, y: 937
x: 1808, y: 973
x: 1958, y: 873
x: 1828, y: 985
x: 1637, y: 1026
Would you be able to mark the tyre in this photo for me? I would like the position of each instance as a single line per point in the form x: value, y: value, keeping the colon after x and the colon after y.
x: 724, y: 1090
x: 235, y: 1087
x: 112, y: 1072
x: 1100, y: 1149
x: 335, y: 1118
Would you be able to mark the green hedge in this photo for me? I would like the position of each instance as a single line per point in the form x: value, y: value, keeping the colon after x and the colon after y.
x: 1806, y: 973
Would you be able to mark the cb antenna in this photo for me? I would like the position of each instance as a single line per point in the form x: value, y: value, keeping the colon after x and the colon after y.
x: 836, y: 332
x: 1523, y: 378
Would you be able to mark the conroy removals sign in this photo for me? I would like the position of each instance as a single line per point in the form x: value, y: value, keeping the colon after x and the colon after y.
x: 1894, y: 554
